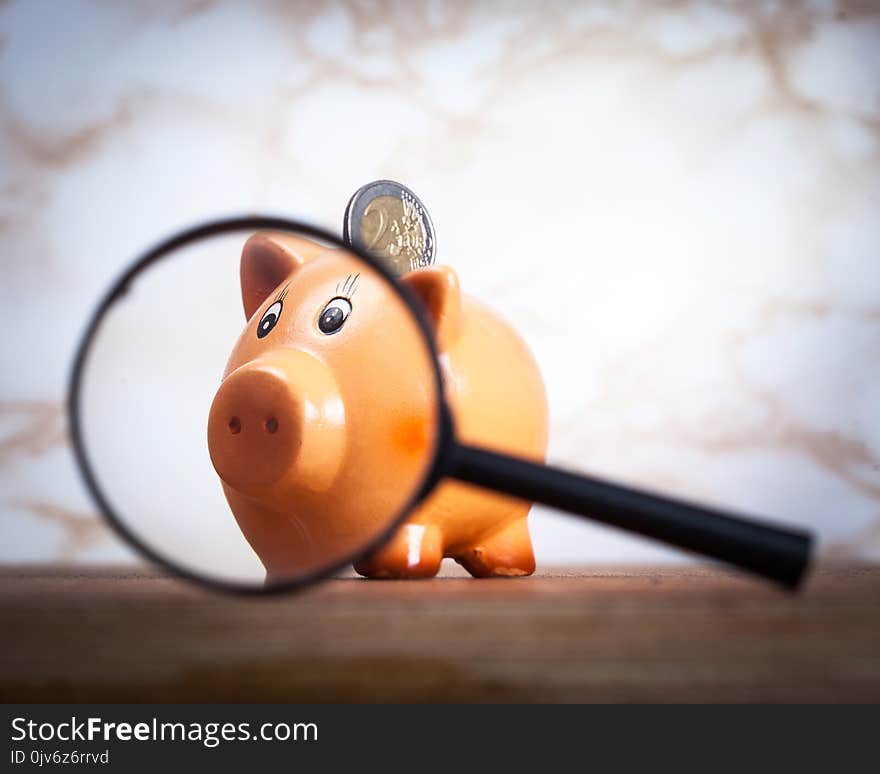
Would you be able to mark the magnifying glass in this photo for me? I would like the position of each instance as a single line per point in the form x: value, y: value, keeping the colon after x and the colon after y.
x: 263, y: 460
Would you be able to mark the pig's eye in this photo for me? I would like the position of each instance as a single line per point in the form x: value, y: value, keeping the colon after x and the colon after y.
x: 334, y: 315
x: 268, y: 320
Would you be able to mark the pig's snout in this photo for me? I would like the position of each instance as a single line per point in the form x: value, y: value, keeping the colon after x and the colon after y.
x: 253, y: 428
x: 276, y: 421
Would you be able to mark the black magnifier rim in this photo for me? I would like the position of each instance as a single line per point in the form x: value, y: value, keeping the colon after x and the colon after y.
x: 444, y: 438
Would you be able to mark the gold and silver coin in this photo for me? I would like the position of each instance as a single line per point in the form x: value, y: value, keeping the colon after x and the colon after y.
x: 388, y: 221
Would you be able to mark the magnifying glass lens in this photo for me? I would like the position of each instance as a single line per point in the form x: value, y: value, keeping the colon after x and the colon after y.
x: 258, y: 409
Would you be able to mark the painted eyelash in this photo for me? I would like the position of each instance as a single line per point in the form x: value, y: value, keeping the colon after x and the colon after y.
x: 283, y: 294
x: 348, y: 287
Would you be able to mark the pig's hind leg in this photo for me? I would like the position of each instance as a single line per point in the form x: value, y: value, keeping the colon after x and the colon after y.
x: 415, y: 551
x: 507, y: 552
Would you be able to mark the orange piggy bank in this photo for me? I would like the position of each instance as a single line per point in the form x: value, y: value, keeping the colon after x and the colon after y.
x: 312, y: 402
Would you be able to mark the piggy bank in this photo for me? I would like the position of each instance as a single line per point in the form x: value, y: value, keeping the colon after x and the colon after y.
x: 311, y: 405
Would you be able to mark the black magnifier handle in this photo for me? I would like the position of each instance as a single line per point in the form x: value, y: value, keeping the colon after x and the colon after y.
x: 775, y: 553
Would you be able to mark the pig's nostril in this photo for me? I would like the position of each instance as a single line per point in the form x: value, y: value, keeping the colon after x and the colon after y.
x: 271, y: 425
x: 235, y: 425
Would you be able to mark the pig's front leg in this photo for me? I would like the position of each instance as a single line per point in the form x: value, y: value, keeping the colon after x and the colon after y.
x: 415, y: 551
x: 504, y: 553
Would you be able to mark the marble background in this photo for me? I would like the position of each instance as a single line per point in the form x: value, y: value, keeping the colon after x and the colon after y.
x: 675, y: 202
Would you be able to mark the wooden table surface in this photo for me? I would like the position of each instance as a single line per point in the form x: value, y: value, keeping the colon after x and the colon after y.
x: 600, y: 634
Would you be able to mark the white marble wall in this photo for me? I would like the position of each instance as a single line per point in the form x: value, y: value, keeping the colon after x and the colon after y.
x: 676, y: 202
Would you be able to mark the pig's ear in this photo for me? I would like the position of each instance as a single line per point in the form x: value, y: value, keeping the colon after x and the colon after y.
x: 437, y: 287
x: 267, y: 259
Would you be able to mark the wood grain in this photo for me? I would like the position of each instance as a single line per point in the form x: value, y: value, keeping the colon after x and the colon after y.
x: 599, y: 634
